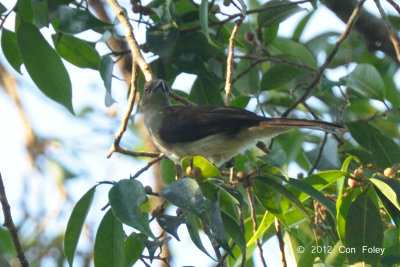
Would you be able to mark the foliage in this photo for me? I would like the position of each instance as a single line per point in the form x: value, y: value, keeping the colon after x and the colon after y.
x: 351, y: 201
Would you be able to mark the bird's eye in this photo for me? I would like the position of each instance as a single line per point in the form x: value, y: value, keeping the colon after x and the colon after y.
x: 147, y: 89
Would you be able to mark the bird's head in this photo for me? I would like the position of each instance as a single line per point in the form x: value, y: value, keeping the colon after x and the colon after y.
x: 155, y: 96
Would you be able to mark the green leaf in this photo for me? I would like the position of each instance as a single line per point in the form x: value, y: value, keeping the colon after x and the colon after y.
x: 109, y: 243
x: 191, y: 224
x: 227, y: 188
x: 207, y: 169
x: 133, y: 249
x: 285, y: 193
x: 364, y: 229
x: 342, y: 208
x: 106, y: 69
x: 161, y: 39
x: 301, y: 26
x: 274, y: 16
x: 366, y: 80
x: 203, y: 17
x: 186, y: 194
x: 170, y: 224
x: 383, y: 150
x: 2, y: 8
x: 168, y: 171
x: 74, y: 20
x: 40, y: 13
x: 152, y: 246
x: 281, y: 46
x: 10, y: 49
x: 233, y: 229
x: 217, y: 225
x: 196, y: 43
x: 205, y: 90
x: 389, y: 188
x: 390, y: 209
x: 75, y: 224
x: 76, y: 51
x: 6, y: 243
x: 336, y: 257
x: 24, y: 8
x: 277, y: 76
x: 247, y: 84
x: 312, y: 192
x: 126, y: 197
x: 267, y: 196
x: 44, y: 65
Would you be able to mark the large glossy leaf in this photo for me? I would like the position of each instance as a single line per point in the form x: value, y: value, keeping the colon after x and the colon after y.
x: 126, y: 198
x: 217, y: 225
x: 75, y: 224
x: 133, y: 249
x: 186, y: 194
x: 282, y: 46
x: 366, y: 80
x: 106, y: 69
x: 286, y: 193
x: 203, y: 15
x: 161, y: 39
x: 277, y: 76
x: 44, y: 65
x: 10, y: 49
x: 233, y: 230
x: 389, y: 188
x: 312, y: 192
x: 205, y: 90
x: 109, y: 243
x: 191, y: 224
x: 364, y: 229
x: 74, y: 20
x: 383, y: 150
x: 276, y: 15
x: 40, y: 13
x: 170, y: 224
x: 76, y: 51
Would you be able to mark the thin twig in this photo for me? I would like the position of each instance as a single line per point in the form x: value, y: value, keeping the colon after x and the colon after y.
x: 394, y: 5
x: 255, y: 226
x: 252, y: 11
x: 319, y: 154
x: 280, y: 240
x: 321, y: 69
x: 130, y: 38
x: 124, y: 122
x: 179, y: 98
x: 212, y: 240
x: 389, y: 29
x: 228, y: 81
x: 136, y: 154
x: 148, y: 165
x: 9, y: 223
x: 222, y: 259
x: 241, y: 223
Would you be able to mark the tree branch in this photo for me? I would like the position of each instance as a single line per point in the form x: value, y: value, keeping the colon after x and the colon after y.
x: 329, y: 58
x: 372, y: 28
x: 8, y: 222
x: 130, y: 38
x: 255, y: 226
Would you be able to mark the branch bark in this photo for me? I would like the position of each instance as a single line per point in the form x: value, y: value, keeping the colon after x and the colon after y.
x: 9, y: 223
x: 372, y: 28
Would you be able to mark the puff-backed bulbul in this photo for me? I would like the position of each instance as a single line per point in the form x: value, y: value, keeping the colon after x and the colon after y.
x: 217, y: 133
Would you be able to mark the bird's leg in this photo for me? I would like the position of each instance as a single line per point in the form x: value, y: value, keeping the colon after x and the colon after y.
x: 179, y: 171
x: 262, y: 147
x: 231, y: 165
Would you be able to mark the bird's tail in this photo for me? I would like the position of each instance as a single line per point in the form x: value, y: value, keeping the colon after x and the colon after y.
x: 300, y: 123
x: 271, y: 127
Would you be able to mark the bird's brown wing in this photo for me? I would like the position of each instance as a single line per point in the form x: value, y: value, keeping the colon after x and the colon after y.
x: 190, y: 123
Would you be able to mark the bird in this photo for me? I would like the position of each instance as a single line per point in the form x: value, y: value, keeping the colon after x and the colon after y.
x: 217, y: 133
